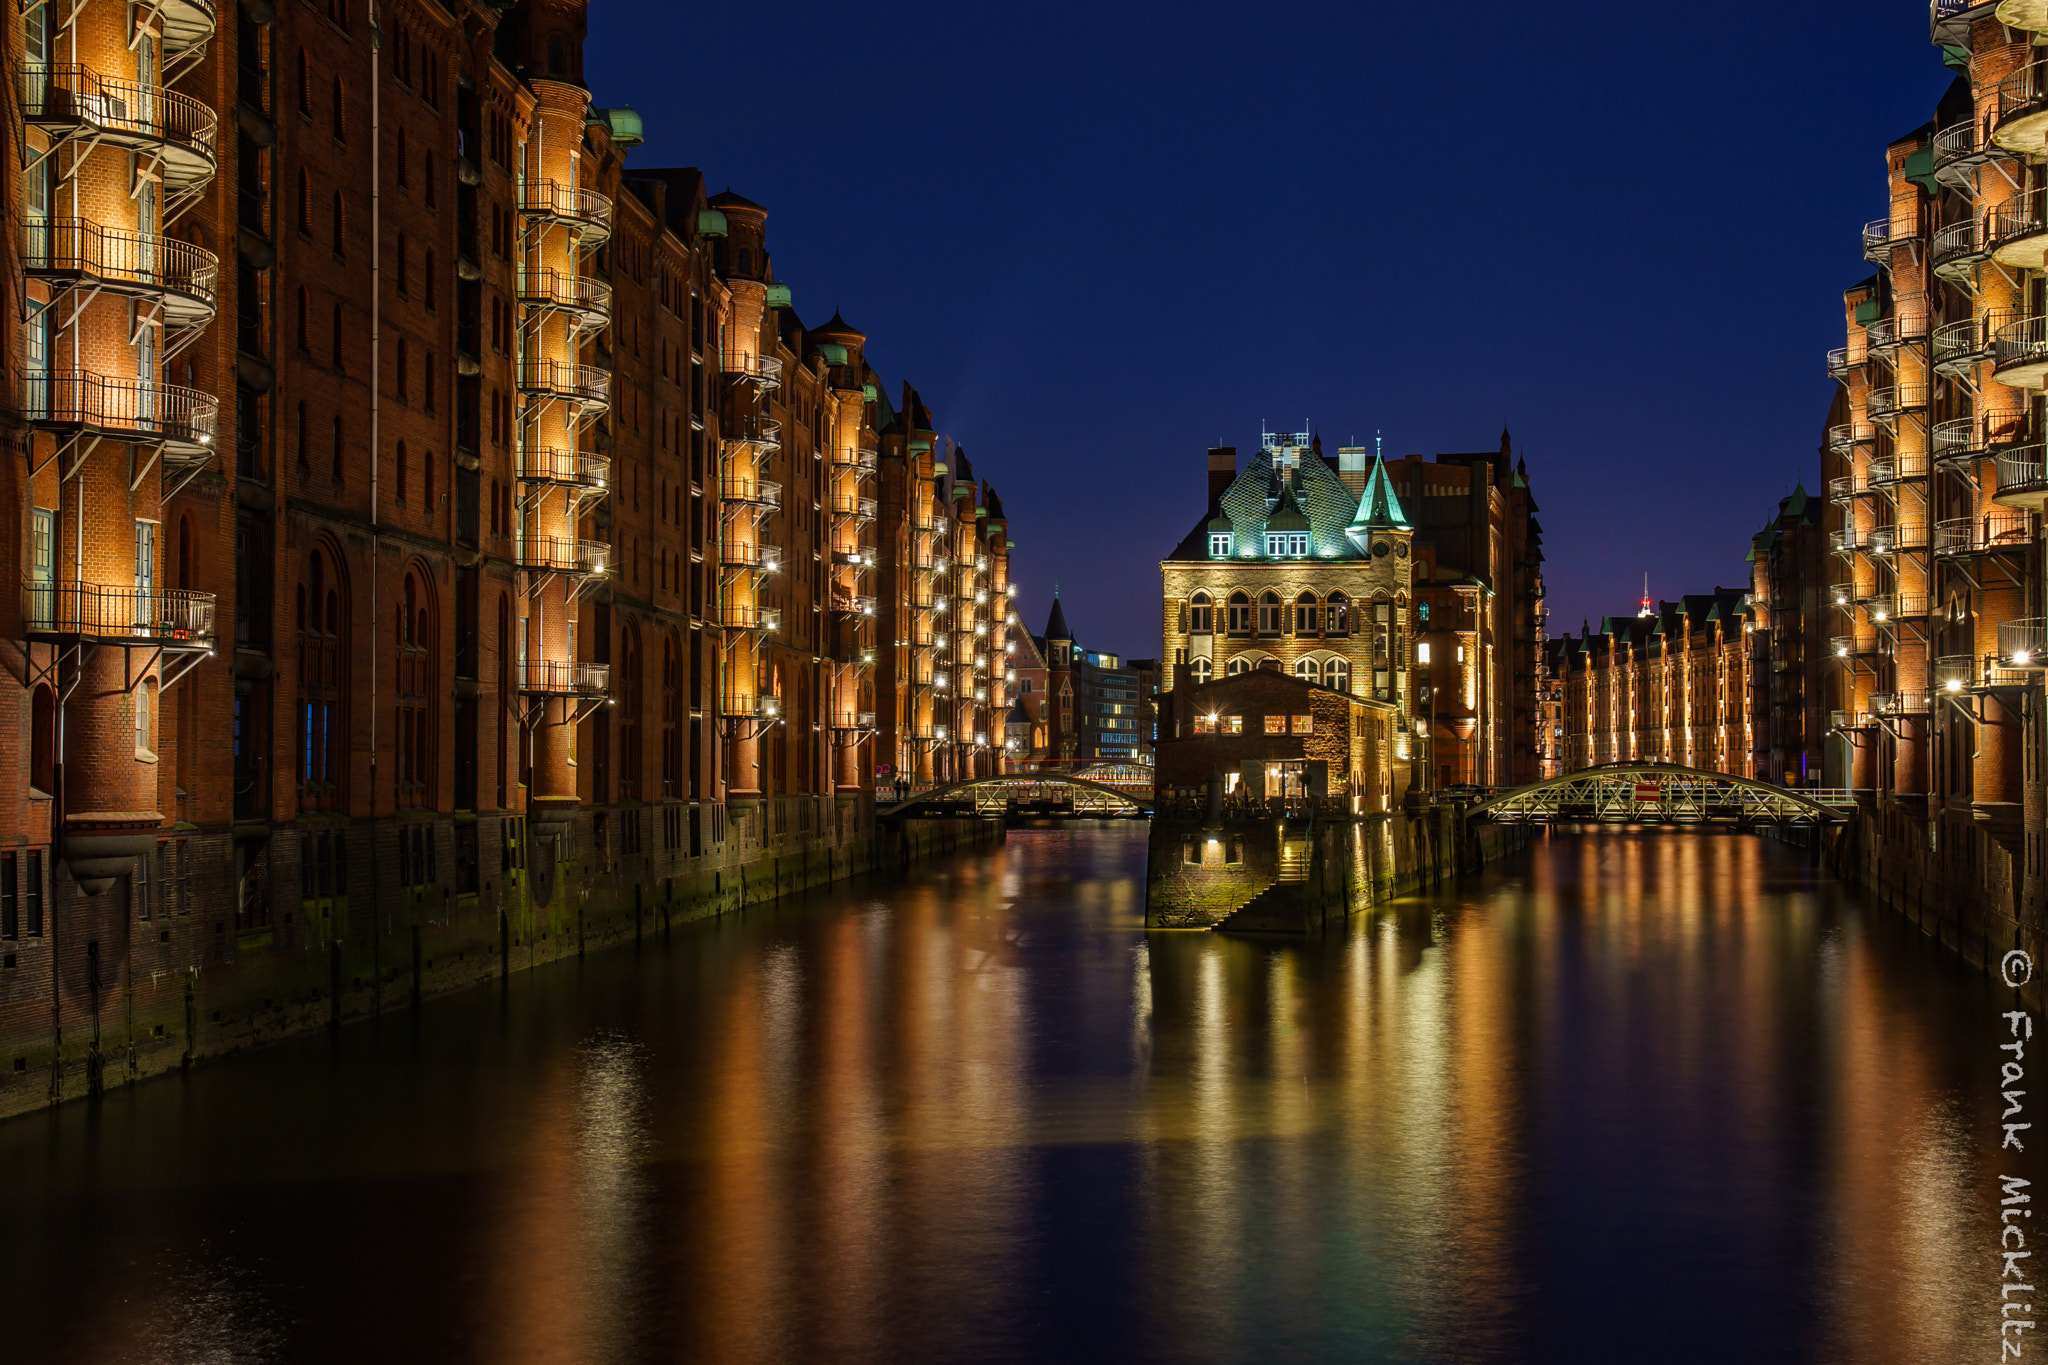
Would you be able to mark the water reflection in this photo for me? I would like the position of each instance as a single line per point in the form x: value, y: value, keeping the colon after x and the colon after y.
x: 1640, y: 1097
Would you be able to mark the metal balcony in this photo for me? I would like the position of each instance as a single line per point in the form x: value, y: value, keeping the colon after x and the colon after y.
x: 853, y: 604
x: 749, y: 616
x: 118, y: 613
x: 1844, y: 437
x: 1958, y: 249
x: 175, y: 133
x: 586, y: 386
x: 1839, y: 366
x: 750, y: 555
x: 1904, y: 703
x: 585, y: 298
x: 1846, y: 488
x: 1844, y: 541
x: 1899, y: 466
x: 762, y: 493
x: 1846, y: 647
x: 2021, y: 353
x: 1905, y: 325
x: 1888, y: 402
x: 567, y: 468
x: 187, y: 26
x: 564, y: 554
x: 77, y: 253
x: 2031, y: 16
x: 1884, y: 541
x: 2023, y: 643
x: 1955, y: 673
x: 183, y: 421
x: 749, y: 706
x: 853, y: 720
x: 2022, y: 478
x: 860, y: 509
x: 1850, y: 720
x: 1958, y: 150
x: 1949, y: 21
x: 748, y: 437
x: 2021, y: 124
x: 2015, y: 235
x: 563, y: 678
x: 1999, y: 532
x: 1888, y: 609
x: 1880, y: 235
x: 861, y: 457
x: 1959, y: 346
x: 764, y: 370
x: 584, y: 212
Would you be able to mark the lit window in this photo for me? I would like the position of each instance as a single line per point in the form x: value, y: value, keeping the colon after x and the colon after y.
x: 1422, y: 652
x: 1233, y: 725
x: 1304, y: 725
x: 1283, y: 544
x: 1219, y: 544
x: 1276, y: 725
x: 1205, y: 725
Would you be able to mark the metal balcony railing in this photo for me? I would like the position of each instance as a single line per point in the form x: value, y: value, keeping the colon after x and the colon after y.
x: 1958, y: 247
x: 1849, y: 720
x: 1904, y: 703
x: 126, y: 113
x: 570, y: 468
x: 853, y: 604
x: 1888, y: 608
x: 136, y: 264
x: 1846, y: 647
x: 749, y: 706
x: 546, y: 287
x: 2020, y: 350
x: 1994, y: 532
x: 585, y: 385
x: 1880, y: 235
x: 99, y: 611
x: 763, y: 434
x: 752, y: 492
x: 862, y: 509
x: 2023, y: 643
x: 765, y: 370
x: 1846, y: 487
x: 563, y: 677
x: 587, y: 211
x: 2020, y: 96
x: 853, y: 720
x: 1957, y: 145
x: 1958, y: 345
x: 2022, y: 476
x: 750, y: 555
x: 564, y: 554
x: 749, y: 616
x: 1906, y: 323
x: 2011, y: 226
x: 183, y: 420
x: 1844, y: 541
x: 1844, y: 437
x: 862, y: 457
x: 1839, y: 366
x: 1891, y: 400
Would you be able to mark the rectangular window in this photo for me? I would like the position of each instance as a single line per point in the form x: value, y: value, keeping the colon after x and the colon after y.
x: 10, y: 909
x: 1219, y: 544
x: 32, y: 894
x: 1304, y: 725
x: 145, y: 878
x: 1286, y: 544
x: 42, y: 565
x: 1233, y: 725
x: 145, y: 573
x: 1205, y: 725
x: 1276, y: 725
x: 1422, y: 652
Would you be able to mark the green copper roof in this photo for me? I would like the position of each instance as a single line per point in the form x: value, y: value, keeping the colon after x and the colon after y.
x: 1379, y: 509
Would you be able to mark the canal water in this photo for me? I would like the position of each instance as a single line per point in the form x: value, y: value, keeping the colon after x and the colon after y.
x: 1630, y: 1097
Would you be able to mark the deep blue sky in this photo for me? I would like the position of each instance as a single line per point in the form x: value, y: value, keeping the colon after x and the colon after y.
x: 1099, y: 237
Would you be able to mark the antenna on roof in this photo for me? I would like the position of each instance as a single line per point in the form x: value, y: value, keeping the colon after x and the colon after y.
x: 1643, y: 609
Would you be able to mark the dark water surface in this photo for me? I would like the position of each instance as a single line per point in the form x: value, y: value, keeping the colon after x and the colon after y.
x: 1657, y: 1097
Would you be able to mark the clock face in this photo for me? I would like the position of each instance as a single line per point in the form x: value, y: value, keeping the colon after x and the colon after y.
x: 1379, y: 549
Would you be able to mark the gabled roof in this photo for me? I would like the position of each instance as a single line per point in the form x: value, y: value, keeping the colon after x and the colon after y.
x: 1378, y: 508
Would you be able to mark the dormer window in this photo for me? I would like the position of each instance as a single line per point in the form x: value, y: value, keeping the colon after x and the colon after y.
x: 1286, y: 544
x: 1219, y: 544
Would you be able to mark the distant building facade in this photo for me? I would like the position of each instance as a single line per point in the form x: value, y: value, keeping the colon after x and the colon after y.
x: 1791, y: 605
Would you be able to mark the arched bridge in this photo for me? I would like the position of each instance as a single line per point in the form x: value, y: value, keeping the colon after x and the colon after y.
x: 1027, y: 794
x: 1654, y: 794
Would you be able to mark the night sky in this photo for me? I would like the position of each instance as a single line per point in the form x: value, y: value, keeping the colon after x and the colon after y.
x: 1100, y: 238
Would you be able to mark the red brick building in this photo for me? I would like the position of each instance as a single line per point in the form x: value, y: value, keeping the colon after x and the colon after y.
x: 441, y: 541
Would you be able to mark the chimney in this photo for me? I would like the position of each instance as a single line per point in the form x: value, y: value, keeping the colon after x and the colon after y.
x: 1222, y: 469
x: 1351, y: 468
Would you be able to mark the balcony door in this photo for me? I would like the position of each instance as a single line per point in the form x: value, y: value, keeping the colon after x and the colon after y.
x: 145, y: 574
x: 42, y: 566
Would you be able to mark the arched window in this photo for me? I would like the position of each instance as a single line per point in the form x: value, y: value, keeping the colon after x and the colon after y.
x: 427, y: 279
x: 335, y: 339
x: 1203, y: 671
x: 338, y: 112
x: 305, y: 84
x: 338, y: 226
x: 428, y: 378
x: 1269, y: 613
x: 335, y: 451
x: 1238, y: 665
x: 305, y: 318
x: 1337, y: 615
x: 322, y: 693
x: 1308, y: 670
x: 403, y: 182
x: 1337, y: 674
x: 427, y: 176
x: 1201, y: 615
x: 427, y: 482
x: 558, y: 62
x: 418, y: 676
x: 1240, y: 614
x: 400, y: 276
x: 302, y: 439
x: 1306, y: 615
x: 305, y: 202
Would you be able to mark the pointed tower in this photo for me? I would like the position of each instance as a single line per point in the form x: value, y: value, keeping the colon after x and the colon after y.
x: 1379, y: 512
x: 1058, y: 709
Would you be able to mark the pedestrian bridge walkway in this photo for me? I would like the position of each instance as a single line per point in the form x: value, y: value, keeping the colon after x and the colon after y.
x: 1079, y: 795
x: 1661, y: 794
